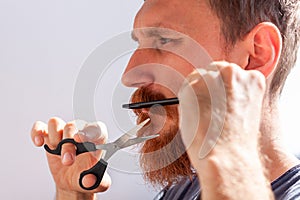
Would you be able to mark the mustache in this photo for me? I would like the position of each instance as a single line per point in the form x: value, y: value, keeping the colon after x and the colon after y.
x: 145, y: 94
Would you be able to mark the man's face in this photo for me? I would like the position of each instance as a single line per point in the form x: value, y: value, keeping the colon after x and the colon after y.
x: 174, y: 38
x: 168, y: 33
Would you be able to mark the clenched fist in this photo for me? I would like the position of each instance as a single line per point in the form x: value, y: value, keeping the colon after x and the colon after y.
x: 220, y: 112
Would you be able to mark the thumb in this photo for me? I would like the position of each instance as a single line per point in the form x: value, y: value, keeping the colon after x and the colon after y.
x: 94, y: 132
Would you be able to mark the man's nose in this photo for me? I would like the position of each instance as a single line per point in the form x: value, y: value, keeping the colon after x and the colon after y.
x: 138, y: 72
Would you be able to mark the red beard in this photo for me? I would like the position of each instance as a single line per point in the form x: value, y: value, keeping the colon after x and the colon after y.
x: 163, y: 160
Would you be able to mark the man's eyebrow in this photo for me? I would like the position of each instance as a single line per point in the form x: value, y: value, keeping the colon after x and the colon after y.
x: 153, y: 32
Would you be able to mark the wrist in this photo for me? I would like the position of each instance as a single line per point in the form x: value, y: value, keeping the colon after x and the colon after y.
x: 240, y: 169
x: 73, y: 195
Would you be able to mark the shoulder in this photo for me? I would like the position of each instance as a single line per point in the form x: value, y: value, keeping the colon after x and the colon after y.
x: 188, y: 188
x: 288, y: 185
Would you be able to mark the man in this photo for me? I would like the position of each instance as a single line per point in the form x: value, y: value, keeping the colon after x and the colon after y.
x: 228, y: 116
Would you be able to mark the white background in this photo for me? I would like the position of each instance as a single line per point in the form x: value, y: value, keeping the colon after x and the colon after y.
x: 43, y: 44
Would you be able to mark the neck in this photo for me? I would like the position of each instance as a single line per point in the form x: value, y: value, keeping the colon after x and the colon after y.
x: 278, y: 158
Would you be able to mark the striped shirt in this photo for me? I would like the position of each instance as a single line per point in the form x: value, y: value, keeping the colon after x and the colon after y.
x: 286, y: 187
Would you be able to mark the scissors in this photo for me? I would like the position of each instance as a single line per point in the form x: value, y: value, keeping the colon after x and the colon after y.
x: 99, y: 168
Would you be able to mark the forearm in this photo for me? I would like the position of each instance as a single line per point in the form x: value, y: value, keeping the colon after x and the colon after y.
x: 70, y: 195
x: 237, y: 174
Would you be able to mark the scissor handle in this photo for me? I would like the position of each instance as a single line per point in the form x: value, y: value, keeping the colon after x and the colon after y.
x: 97, y: 170
x: 80, y: 147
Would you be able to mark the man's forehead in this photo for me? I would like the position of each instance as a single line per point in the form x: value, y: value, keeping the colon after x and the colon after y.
x: 157, y: 13
x: 169, y: 11
x: 189, y: 17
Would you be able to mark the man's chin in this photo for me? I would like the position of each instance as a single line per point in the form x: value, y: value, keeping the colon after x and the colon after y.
x: 164, y: 160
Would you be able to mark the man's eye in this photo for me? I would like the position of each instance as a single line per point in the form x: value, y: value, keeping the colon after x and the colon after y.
x: 164, y: 40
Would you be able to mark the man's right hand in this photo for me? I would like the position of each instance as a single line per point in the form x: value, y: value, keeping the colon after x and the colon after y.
x: 66, y: 168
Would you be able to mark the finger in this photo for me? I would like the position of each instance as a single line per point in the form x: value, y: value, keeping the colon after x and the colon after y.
x: 38, y: 132
x: 189, y: 108
x: 68, y: 151
x: 259, y: 78
x: 219, y: 65
x: 55, y: 131
x: 94, y: 132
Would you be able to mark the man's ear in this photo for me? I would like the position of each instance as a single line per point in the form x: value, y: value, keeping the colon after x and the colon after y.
x: 265, y: 48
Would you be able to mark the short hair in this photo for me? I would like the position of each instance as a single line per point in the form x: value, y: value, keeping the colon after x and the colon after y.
x: 239, y: 17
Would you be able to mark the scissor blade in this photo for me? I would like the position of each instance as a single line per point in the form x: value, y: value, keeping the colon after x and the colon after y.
x: 113, y: 147
x: 109, y: 153
x: 107, y: 146
x: 131, y: 133
x: 135, y: 129
x: 138, y: 140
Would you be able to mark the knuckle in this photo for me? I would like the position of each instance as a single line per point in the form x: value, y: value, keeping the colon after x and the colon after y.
x: 70, y: 126
x: 227, y: 74
x: 195, y: 75
x: 232, y: 73
x: 227, y: 71
x: 258, y: 78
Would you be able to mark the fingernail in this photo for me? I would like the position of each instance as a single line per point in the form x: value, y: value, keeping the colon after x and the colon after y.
x: 38, y: 140
x: 67, y: 158
x: 92, y: 131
